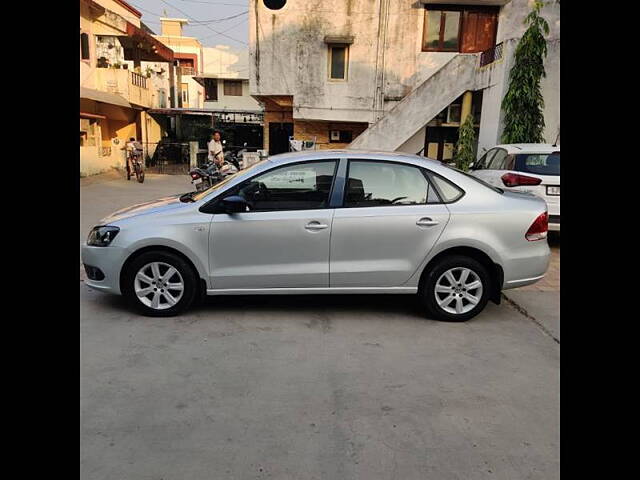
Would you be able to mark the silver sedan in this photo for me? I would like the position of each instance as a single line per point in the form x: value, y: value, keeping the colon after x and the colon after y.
x: 334, y: 221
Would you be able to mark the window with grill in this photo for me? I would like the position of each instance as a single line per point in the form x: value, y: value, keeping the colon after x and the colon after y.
x: 233, y: 88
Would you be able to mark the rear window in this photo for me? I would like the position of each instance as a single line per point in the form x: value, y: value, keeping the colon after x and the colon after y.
x: 481, y: 182
x: 539, y: 163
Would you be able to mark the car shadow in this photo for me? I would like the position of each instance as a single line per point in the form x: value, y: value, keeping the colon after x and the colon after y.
x: 387, y: 304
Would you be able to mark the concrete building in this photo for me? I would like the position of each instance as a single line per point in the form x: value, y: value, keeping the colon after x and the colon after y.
x: 213, y: 90
x: 124, y: 71
x: 390, y: 74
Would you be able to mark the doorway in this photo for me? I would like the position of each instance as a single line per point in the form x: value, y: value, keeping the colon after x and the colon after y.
x: 279, y: 134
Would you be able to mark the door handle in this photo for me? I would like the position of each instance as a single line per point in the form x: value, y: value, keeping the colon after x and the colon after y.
x: 426, y: 222
x: 315, y: 226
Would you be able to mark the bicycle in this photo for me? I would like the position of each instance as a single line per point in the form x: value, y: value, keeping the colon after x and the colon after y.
x: 133, y: 159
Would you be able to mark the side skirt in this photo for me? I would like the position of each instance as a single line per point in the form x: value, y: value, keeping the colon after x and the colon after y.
x: 310, y: 291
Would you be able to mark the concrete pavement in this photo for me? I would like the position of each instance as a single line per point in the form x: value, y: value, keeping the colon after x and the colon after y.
x: 324, y: 387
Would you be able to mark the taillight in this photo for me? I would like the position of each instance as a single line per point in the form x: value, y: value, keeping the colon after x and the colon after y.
x: 195, y: 175
x: 538, y: 229
x: 514, y: 180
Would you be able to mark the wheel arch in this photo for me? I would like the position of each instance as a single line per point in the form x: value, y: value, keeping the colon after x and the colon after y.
x: 495, y: 270
x: 162, y: 248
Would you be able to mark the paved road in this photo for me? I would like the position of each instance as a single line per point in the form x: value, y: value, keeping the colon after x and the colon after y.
x: 325, y: 387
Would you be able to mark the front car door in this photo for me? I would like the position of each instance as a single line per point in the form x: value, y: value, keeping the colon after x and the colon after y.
x: 390, y: 219
x: 282, y: 240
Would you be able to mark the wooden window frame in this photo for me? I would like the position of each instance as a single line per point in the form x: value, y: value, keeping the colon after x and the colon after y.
x: 464, y: 10
x: 229, y: 82
x: 443, y: 9
x: 331, y: 46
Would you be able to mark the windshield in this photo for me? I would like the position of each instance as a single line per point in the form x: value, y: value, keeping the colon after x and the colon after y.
x: 539, y: 163
x: 197, y: 196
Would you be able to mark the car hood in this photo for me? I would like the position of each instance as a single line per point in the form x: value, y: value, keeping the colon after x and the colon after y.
x: 155, y: 206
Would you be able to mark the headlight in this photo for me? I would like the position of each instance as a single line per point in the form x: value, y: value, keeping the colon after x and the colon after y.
x: 102, y: 236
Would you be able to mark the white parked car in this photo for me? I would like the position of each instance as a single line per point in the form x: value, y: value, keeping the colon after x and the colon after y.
x: 525, y: 167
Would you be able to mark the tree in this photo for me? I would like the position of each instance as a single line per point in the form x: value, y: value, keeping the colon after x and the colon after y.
x: 465, y: 146
x: 523, y: 104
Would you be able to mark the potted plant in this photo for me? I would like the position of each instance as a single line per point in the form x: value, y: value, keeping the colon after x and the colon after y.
x: 149, y: 71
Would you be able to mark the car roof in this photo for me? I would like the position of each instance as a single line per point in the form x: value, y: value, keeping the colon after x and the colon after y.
x: 529, y: 147
x: 291, y: 157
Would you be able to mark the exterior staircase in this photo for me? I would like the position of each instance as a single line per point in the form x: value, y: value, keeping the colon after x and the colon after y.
x: 422, y: 105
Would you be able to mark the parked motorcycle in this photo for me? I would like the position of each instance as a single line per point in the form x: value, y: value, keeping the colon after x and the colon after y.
x: 205, y: 177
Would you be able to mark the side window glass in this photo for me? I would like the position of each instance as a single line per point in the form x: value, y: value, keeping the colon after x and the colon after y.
x: 303, y: 186
x: 479, y: 165
x: 376, y: 184
x: 449, y: 192
x: 498, y: 160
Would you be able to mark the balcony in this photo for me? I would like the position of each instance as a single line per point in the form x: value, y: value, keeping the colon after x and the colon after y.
x: 130, y: 85
x: 187, y: 71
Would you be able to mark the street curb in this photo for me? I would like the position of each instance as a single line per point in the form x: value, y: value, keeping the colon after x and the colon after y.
x: 526, y: 314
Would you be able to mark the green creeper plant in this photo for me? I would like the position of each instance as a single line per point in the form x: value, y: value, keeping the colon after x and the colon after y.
x: 465, y: 147
x: 523, y: 104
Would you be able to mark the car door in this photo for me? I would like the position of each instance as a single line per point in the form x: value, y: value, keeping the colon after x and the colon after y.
x: 390, y: 219
x: 282, y: 240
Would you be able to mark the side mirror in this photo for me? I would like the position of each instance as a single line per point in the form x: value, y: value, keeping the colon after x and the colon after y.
x: 471, y: 165
x: 234, y: 204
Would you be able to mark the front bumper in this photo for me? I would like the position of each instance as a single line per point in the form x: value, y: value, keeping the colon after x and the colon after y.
x: 109, y: 261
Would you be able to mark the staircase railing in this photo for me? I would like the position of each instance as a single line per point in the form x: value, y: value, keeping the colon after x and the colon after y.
x: 491, y: 55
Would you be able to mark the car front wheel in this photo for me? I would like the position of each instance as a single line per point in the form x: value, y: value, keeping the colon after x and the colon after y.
x: 160, y: 284
x: 456, y: 289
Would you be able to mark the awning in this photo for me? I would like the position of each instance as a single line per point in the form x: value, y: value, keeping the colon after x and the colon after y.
x: 474, y: 3
x: 338, y: 39
x: 221, y: 76
x: 148, y: 48
x: 91, y: 115
x: 200, y: 111
x: 104, y: 97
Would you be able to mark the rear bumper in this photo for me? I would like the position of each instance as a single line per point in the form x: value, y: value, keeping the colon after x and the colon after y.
x: 527, y: 265
x: 554, y: 223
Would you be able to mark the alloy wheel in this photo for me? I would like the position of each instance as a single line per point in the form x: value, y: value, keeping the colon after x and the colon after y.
x: 458, y: 290
x: 158, y: 285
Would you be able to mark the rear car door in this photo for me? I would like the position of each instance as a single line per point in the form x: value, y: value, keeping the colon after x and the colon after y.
x: 390, y: 219
x: 282, y: 240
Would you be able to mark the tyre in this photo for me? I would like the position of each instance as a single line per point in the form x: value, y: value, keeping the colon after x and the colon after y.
x: 140, y: 175
x: 455, y: 289
x: 160, y: 284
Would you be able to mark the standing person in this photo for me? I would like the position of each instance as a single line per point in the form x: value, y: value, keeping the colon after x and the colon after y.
x: 215, y: 148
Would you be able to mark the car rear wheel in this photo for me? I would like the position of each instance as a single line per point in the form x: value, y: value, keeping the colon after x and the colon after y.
x: 160, y: 284
x: 456, y: 289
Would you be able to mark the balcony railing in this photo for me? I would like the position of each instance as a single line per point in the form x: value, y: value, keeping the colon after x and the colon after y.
x: 187, y: 71
x: 138, y: 80
x: 491, y: 55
